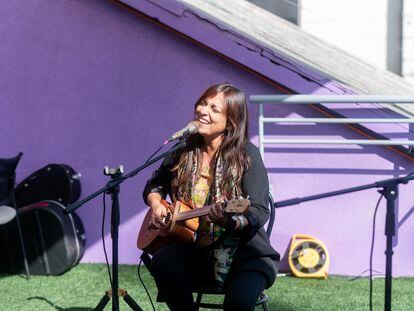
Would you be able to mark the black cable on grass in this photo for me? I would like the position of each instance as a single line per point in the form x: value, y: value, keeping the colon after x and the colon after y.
x: 143, y: 285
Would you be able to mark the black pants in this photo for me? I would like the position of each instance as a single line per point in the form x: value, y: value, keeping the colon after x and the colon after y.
x: 177, y: 269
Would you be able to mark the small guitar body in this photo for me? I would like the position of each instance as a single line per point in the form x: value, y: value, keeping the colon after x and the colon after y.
x: 182, y: 223
x: 151, y: 239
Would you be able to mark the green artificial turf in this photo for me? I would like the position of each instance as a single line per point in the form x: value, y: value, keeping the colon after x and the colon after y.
x: 82, y: 288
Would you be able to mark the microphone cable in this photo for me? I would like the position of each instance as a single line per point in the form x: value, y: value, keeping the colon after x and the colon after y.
x: 103, y: 239
x: 163, y: 144
x: 143, y: 284
x: 156, y: 151
x: 372, y: 249
x: 191, y: 128
x: 106, y: 256
x: 140, y: 262
x: 103, y: 235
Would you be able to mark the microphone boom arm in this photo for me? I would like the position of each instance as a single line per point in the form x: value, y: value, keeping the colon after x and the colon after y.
x: 115, y: 182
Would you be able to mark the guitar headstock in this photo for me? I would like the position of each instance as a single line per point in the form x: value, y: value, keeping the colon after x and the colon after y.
x: 237, y: 206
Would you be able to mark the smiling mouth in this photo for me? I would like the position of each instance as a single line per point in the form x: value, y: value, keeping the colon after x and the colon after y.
x: 203, y: 122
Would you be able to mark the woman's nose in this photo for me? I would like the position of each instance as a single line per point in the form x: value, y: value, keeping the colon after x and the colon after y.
x: 203, y: 110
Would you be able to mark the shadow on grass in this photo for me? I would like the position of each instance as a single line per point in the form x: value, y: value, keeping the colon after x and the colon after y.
x: 59, y: 308
x: 7, y: 275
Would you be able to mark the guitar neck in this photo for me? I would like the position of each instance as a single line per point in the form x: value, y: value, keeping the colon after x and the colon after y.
x: 194, y: 213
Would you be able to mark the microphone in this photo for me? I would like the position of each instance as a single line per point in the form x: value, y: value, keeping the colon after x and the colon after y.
x: 191, y: 128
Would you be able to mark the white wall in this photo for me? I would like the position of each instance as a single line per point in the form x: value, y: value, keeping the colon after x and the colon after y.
x: 408, y: 40
x: 358, y: 27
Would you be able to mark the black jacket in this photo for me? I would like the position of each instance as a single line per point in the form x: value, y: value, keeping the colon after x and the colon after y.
x: 254, y: 242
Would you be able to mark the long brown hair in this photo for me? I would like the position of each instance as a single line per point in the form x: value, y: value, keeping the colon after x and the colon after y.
x: 232, y: 150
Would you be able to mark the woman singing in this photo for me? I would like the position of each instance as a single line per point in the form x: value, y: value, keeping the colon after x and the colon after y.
x: 218, y: 164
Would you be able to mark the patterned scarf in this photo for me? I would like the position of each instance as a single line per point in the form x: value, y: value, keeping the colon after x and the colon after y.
x: 223, y: 244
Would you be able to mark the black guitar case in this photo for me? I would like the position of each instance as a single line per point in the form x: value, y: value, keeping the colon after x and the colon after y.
x: 56, y: 182
x: 54, y: 242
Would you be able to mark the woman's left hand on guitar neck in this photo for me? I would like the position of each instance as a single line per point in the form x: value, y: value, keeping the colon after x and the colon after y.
x: 218, y: 217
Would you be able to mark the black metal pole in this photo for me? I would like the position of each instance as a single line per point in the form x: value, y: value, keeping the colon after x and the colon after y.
x: 391, y: 194
x: 114, y: 235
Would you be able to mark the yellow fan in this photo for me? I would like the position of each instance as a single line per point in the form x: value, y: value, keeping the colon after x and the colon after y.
x: 308, y: 257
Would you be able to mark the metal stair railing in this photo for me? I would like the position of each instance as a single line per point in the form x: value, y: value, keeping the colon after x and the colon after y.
x: 329, y: 99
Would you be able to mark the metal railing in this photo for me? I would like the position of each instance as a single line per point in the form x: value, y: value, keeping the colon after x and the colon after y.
x: 329, y: 99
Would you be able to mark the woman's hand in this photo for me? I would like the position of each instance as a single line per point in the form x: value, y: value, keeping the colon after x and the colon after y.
x: 158, y: 214
x: 217, y: 216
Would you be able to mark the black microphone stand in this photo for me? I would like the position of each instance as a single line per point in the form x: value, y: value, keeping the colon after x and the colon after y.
x: 112, y: 187
x: 390, y: 192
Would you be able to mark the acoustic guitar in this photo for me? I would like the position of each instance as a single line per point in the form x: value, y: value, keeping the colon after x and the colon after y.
x: 181, y: 224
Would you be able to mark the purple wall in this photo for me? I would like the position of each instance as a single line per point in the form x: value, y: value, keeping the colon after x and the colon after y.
x: 89, y: 84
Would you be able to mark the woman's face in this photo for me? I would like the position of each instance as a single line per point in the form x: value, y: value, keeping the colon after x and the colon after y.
x: 211, y: 116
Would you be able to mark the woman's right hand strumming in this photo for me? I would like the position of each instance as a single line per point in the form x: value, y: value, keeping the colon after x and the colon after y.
x: 158, y: 212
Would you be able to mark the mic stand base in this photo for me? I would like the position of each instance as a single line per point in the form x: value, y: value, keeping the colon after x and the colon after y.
x: 112, y: 187
x: 114, y: 191
x: 121, y: 293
